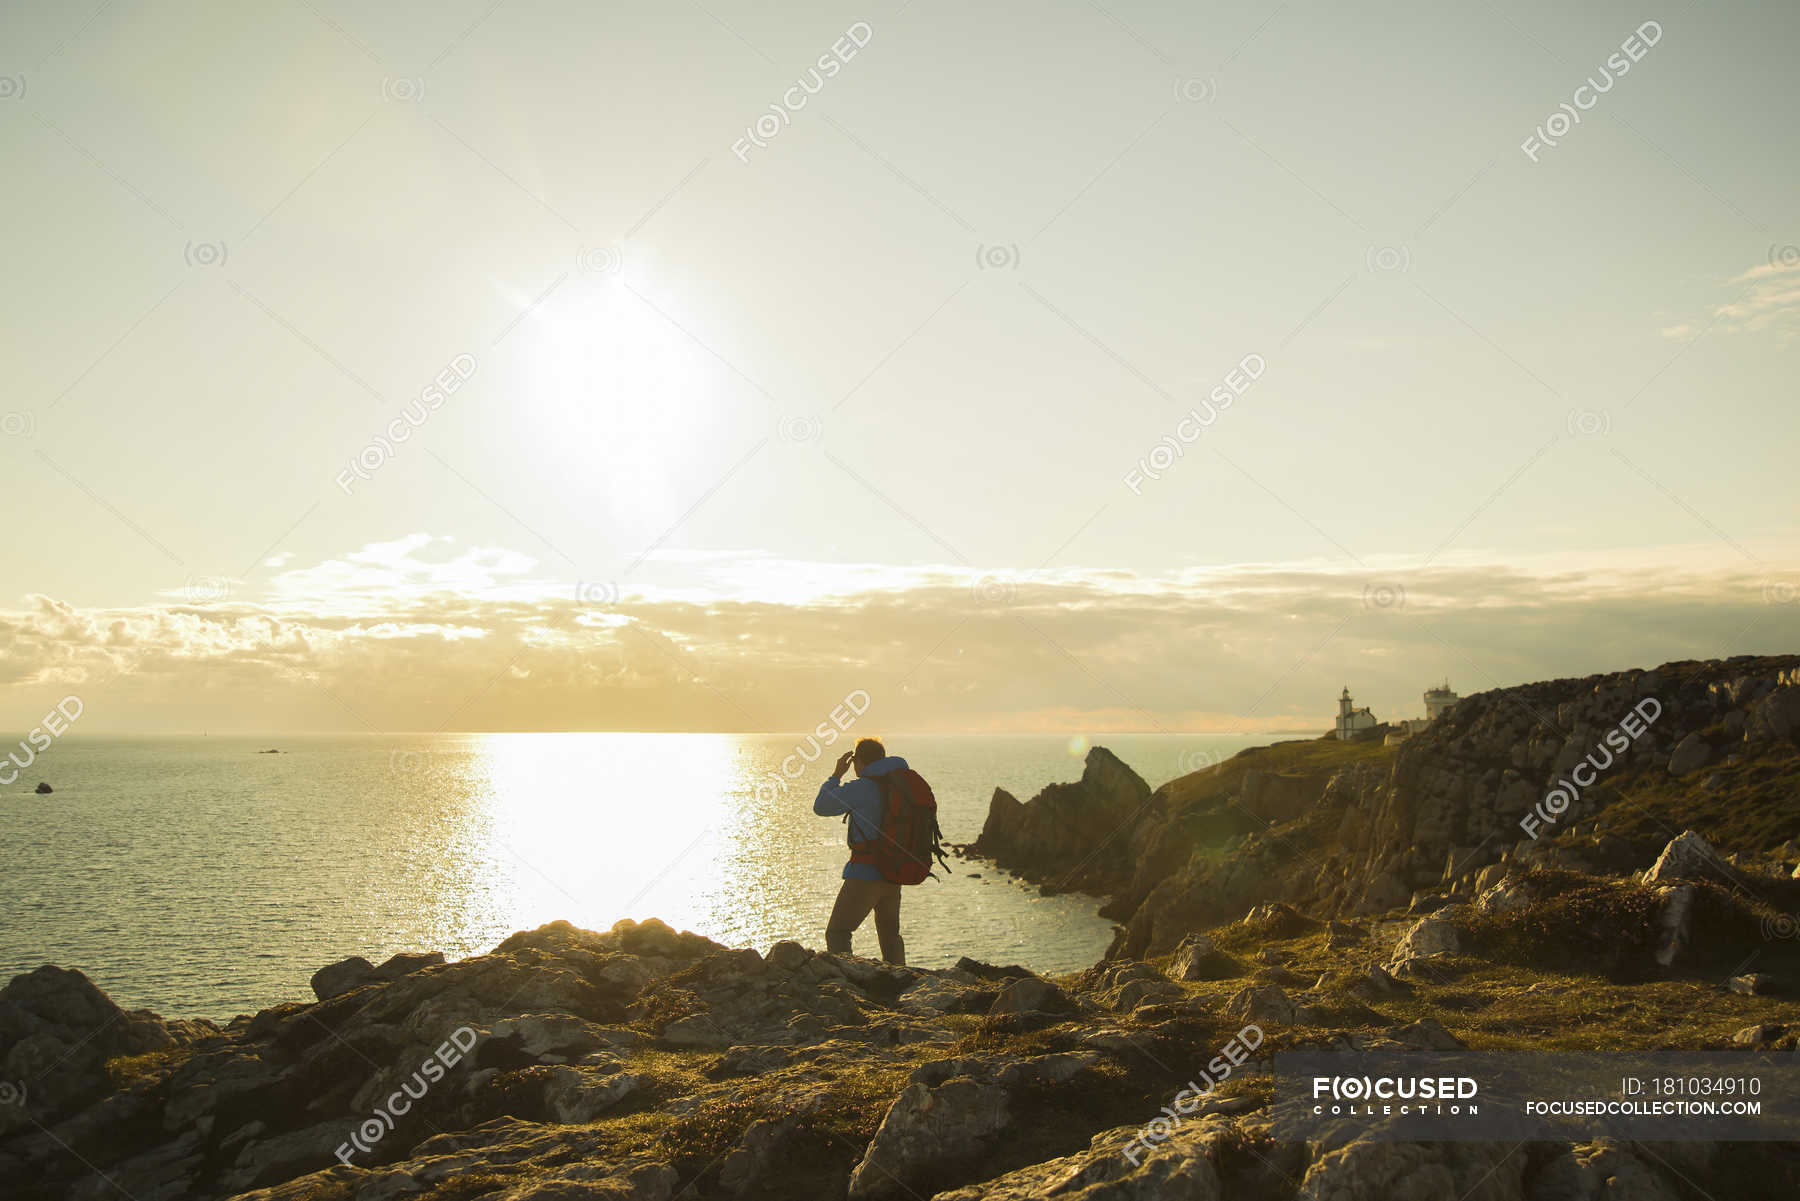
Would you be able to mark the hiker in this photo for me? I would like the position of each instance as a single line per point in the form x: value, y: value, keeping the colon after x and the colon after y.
x: 889, y: 845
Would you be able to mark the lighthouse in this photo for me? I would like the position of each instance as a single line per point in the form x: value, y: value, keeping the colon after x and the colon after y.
x: 1352, y: 721
x: 1439, y: 701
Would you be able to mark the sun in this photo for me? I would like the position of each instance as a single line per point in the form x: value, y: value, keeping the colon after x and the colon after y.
x: 607, y: 396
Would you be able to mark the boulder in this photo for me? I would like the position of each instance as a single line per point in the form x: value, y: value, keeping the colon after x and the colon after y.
x: 1775, y: 716
x: 928, y: 1129
x: 1437, y: 933
x: 538, y: 1035
x: 1277, y: 919
x: 346, y: 975
x: 335, y: 979
x: 789, y: 955
x: 935, y: 995
x: 1030, y: 995
x: 1128, y: 985
x: 43, y: 789
x: 1196, y: 958
x: 404, y: 964
x: 1190, y: 955
x: 1688, y: 856
x: 951, y: 1115
x: 579, y: 1094
x: 280, y: 1157
x: 1434, y: 968
x: 57, y: 1031
x: 1263, y: 1003
x: 763, y: 1145
x: 1503, y: 897
x: 1751, y: 984
x: 1690, y: 754
x: 1379, y: 981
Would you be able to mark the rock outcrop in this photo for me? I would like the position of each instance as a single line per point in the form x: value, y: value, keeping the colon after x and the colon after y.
x: 1531, y: 777
x: 648, y: 1064
x: 338, y: 978
x: 58, y: 1031
x: 1071, y: 832
x: 1690, y: 857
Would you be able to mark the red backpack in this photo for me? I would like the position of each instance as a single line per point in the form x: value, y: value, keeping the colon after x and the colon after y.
x: 909, y: 837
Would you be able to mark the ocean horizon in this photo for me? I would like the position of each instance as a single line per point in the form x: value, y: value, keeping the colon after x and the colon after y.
x: 201, y: 876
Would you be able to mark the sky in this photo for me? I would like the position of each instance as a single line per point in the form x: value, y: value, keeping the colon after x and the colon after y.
x: 1031, y: 367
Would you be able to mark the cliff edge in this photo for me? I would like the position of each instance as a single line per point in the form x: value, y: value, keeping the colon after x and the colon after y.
x: 1593, y: 774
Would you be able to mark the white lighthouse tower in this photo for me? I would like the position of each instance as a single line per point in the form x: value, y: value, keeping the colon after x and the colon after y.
x: 1352, y: 721
x: 1439, y: 701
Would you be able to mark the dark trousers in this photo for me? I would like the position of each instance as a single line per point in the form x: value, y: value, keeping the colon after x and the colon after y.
x: 854, y: 901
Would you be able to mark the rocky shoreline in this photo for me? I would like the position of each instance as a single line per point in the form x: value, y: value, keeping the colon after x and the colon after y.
x: 1323, y: 895
x: 1349, y: 829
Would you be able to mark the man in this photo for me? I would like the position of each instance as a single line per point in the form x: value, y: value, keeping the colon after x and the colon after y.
x: 863, y: 888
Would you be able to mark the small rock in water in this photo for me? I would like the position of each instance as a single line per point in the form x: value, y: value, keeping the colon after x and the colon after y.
x: 44, y: 789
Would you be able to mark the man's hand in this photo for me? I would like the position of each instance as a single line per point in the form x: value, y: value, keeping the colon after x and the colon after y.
x: 843, y: 764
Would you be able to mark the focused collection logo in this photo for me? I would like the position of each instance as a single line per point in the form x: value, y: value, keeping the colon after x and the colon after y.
x: 1385, y: 1096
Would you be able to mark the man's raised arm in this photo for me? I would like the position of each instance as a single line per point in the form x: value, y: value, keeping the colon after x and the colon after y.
x: 830, y: 801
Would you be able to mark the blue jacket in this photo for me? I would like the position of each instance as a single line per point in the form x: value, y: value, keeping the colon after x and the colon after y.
x: 861, y: 799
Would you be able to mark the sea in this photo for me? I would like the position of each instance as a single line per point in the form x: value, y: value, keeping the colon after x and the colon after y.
x: 206, y: 877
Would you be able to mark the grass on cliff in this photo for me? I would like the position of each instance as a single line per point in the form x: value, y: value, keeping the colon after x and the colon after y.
x: 1573, y: 971
x: 845, y: 1102
x: 1294, y: 757
x: 1748, y: 807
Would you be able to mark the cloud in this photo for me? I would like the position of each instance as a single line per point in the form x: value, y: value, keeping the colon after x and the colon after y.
x: 1769, y: 302
x: 421, y: 634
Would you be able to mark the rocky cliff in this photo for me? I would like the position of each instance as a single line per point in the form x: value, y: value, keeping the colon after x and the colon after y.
x: 1073, y: 833
x: 644, y: 1064
x: 1594, y: 774
x: 1322, y: 895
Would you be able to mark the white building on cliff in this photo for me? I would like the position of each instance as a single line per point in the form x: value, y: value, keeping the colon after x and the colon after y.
x: 1352, y: 721
x: 1439, y: 700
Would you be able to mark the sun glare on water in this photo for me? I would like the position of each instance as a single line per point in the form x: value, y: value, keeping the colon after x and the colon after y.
x: 595, y: 827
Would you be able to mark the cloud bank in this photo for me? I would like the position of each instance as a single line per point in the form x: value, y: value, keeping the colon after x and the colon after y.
x: 419, y: 635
